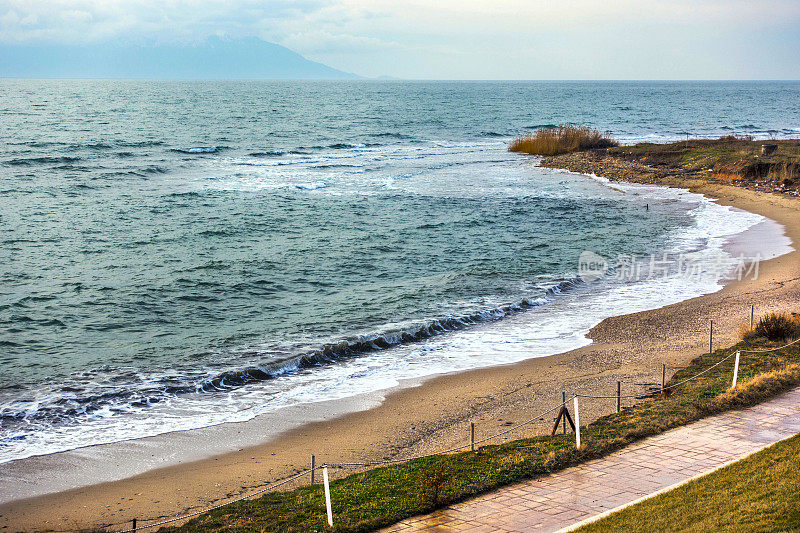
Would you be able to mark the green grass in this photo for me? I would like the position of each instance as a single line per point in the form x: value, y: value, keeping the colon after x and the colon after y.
x: 382, y: 496
x: 759, y: 493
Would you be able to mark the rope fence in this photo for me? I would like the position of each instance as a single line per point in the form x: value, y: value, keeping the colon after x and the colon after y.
x: 771, y: 349
x: 197, y: 513
x: 561, y: 407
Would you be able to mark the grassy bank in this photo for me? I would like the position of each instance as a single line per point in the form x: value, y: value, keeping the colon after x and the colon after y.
x: 379, y: 497
x: 760, y: 493
x: 726, y: 159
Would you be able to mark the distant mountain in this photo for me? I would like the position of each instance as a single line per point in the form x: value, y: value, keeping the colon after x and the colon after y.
x: 214, y: 58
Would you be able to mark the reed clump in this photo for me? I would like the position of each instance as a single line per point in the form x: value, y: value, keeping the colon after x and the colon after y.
x: 774, y: 327
x: 561, y: 140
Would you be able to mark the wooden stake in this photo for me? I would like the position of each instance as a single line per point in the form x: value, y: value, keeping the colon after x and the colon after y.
x: 313, y: 461
x: 472, y: 436
x: 134, y: 525
x: 577, y: 425
x: 663, y: 377
x: 752, y: 312
x: 563, y: 415
x: 563, y: 405
x: 619, y: 396
x: 711, y: 338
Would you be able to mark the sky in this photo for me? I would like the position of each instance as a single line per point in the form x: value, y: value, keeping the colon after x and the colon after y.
x: 454, y: 39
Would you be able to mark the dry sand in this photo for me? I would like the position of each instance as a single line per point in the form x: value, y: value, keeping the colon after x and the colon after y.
x: 436, y: 415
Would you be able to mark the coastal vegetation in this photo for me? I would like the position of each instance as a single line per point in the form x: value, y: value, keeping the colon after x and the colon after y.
x: 374, y: 498
x: 759, y: 493
x: 729, y: 158
x: 741, y: 160
x: 561, y: 140
x: 775, y: 327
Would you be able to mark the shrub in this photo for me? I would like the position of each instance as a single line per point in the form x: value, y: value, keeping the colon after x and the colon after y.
x: 735, y: 138
x: 432, y: 482
x: 776, y: 327
x: 561, y: 140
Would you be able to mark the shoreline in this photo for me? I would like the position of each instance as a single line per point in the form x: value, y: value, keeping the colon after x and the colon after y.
x: 435, y: 415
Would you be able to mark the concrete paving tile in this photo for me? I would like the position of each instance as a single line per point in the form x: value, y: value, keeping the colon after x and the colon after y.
x: 566, y: 497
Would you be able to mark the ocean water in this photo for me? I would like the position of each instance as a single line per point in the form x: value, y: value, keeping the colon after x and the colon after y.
x: 179, y: 254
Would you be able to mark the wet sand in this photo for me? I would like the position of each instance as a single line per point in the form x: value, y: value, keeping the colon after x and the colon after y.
x: 408, y: 421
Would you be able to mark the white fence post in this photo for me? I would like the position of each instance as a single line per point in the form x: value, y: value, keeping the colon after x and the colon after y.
x: 577, y: 424
x: 327, y: 495
x: 735, y: 370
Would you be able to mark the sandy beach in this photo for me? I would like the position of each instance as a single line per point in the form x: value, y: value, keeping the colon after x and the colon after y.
x: 409, y: 420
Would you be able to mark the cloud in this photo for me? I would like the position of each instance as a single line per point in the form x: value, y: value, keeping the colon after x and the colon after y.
x: 81, y: 21
x: 454, y: 38
x: 323, y: 41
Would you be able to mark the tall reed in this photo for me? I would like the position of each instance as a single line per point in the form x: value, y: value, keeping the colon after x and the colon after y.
x: 561, y: 140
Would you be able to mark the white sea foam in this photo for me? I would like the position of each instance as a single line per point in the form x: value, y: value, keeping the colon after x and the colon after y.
x: 155, y: 188
x: 560, y: 325
x: 199, y: 150
x: 311, y: 186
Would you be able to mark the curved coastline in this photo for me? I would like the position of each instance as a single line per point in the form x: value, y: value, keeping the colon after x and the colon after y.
x: 362, y: 364
x: 403, y: 420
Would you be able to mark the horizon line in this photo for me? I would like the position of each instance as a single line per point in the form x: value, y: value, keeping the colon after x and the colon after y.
x: 383, y: 78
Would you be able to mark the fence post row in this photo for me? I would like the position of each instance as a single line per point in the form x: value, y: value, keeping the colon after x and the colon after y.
x: 563, y: 417
x: 327, y: 495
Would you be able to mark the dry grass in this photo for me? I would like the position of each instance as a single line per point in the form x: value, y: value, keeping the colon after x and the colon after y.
x: 774, y: 327
x: 729, y: 159
x: 734, y: 138
x: 759, y: 387
x: 786, y: 172
x: 561, y: 140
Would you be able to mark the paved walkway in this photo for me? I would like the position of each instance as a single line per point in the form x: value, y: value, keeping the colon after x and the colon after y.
x: 575, y: 494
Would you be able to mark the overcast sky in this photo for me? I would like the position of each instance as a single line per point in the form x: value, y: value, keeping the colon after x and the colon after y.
x: 462, y: 39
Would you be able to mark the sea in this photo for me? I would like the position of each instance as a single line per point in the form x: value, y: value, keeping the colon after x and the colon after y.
x: 180, y: 254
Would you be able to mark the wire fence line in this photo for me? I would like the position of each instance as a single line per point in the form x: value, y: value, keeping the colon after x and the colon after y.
x: 197, y: 513
x: 457, y: 448
x: 341, y: 465
x: 442, y: 452
x: 667, y: 387
x: 771, y: 349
